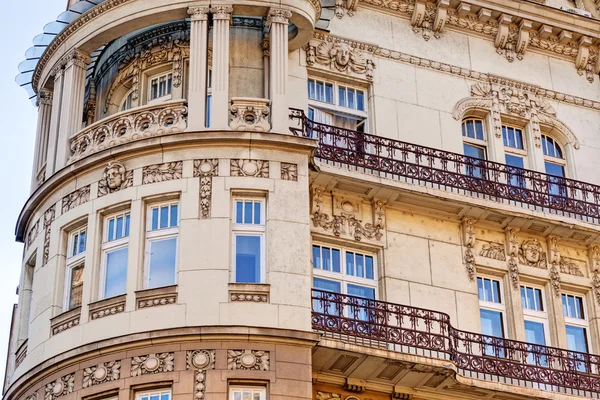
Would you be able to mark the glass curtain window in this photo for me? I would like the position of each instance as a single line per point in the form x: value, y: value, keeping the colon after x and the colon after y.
x: 249, y: 235
x: 161, y: 244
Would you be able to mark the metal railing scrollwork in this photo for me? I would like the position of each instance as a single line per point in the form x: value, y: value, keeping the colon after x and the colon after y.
x: 449, y: 171
x: 429, y: 333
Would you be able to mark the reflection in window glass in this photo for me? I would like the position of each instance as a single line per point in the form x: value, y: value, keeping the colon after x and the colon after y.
x: 162, y: 262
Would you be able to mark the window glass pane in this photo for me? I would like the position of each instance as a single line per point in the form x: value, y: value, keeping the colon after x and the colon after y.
x: 335, y: 260
x: 538, y: 299
x: 491, y: 323
x: 480, y: 291
x: 571, y: 305
x: 360, y: 100
x: 534, y: 333
x: 208, y: 108
x: 565, y: 308
x: 577, y: 338
x: 369, y: 267
x: 550, y: 147
x: 505, y: 135
x: 247, y: 212
x: 311, y: 89
x: 579, y: 308
x: 257, y: 213
x: 164, y: 217
x: 519, y: 139
x: 162, y: 262
x: 75, y: 244
x: 360, y: 266
x: 329, y: 93
x: 487, y: 290
x: 82, y: 239
x: 351, y: 101
x: 342, y: 96
x: 320, y: 92
x: 316, y: 257
x: 127, y: 218
x: 350, y: 270
x: 237, y: 395
x: 76, y: 287
x: 154, y: 218
x: 247, y: 259
x: 165, y: 396
x: 497, y: 296
x: 116, y: 273
x: 530, y: 299
x: 523, y: 298
x: 326, y: 259
x: 474, y: 151
x: 554, y: 169
x: 111, y: 230
x: 174, y: 215
x: 470, y: 129
x: 511, y: 137
x: 327, y: 285
x: 515, y: 176
x: 361, y: 291
x: 119, y: 230
x: 239, y: 212
x: 479, y: 130
x: 154, y: 397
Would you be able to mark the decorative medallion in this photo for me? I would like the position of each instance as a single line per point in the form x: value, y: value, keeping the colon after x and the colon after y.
x: 77, y: 198
x: 101, y: 373
x: 289, y: 172
x: 60, y: 387
x: 115, y: 178
x: 250, y: 168
x: 152, y: 364
x: 206, y: 170
x: 162, y: 172
x: 200, y: 359
x: 248, y: 360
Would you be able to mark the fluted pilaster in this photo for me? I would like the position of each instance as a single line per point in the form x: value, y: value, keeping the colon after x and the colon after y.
x: 220, y: 67
x: 198, y: 67
x: 55, y: 115
x: 278, y: 21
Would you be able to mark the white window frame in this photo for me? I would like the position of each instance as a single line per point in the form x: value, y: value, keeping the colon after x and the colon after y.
x: 492, y: 306
x: 513, y: 150
x: 161, y: 234
x: 157, y: 77
x: 260, y: 389
x: 149, y: 393
x: 342, y: 277
x: 73, y: 261
x: 577, y: 322
x: 535, y: 315
x: 555, y: 160
x: 334, y: 108
x: 124, y: 101
x: 111, y: 246
x: 474, y: 141
x: 252, y: 229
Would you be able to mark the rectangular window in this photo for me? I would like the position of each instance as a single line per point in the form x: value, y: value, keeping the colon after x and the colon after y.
x: 75, y: 288
x: 512, y: 137
x: 249, y: 240
x: 574, y: 311
x: 161, y: 244
x: 115, y: 251
x: 154, y: 395
x: 491, y: 313
x: 247, y: 393
x: 78, y: 242
x: 536, y: 323
x: 75, y: 267
x: 161, y: 86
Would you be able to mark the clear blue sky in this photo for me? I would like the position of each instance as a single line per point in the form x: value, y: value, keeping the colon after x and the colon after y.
x: 21, y: 23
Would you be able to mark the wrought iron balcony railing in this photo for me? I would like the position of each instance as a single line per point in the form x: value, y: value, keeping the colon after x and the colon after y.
x: 450, y: 171
x: 430, y: 334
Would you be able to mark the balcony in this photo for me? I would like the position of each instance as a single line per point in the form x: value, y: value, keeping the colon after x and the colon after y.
x: 425, y: 333
x: 452, y: 172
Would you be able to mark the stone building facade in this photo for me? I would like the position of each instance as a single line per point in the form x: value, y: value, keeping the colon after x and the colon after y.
x: 303, y: 199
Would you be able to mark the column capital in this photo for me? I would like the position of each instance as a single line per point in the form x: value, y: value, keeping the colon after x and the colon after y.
x: 58, y: 71
x: 221, y: 12
x: 44, y: 97
x: 198, y: 13
x: 278, y: 16
x: 78, y: 58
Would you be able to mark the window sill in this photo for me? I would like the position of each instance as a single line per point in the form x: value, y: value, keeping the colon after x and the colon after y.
x: 104, y: 308
x: 249, y: 292
x: 65, y: 321
x: 161, y: 296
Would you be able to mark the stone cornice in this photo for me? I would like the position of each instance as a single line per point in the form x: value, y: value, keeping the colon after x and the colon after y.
x: 513, y: 27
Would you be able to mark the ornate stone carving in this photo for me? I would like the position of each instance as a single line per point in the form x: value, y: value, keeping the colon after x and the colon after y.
x: 77, y: 58
x: 328, y: 396
x: 531, y: 253
x: 206, y: 170
x: 157, y: 301
x: 250, y: 168
x: 469, y: 243
x: 248, y: 360
x: 66, y: 325
x: 141, y: 123
x: 289, y: 172
x: 75, y: 199
x: 60, y: 387
x: 200, y: 359
x: 278, y: 16
x: 152, y: 364
x: 340, y: 55
x: 221, y: 12
x: 569, y: 267
x: 492, y: 250
x: 162, y: 172
x: 49, y: 217
x: 428, y: 18
x: 554, y: 260
x: 249, y: 297
x: 346, y: 223
x: 33, y: 233
x: 198, y: 13
x: 101, y: 373
x: 200, y: 385
x: 115, y: 178
x: 250, y: 114
x: 111, y: 309
x: 32, y: 396
x: 512, y: 246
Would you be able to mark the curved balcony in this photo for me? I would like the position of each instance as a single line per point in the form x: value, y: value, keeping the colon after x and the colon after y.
x: 449, y: 171
x: 430, y: 334
x: 128, y: 126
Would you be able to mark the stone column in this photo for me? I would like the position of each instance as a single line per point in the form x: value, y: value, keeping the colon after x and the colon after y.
x: 55, y: 115
x: 220, y: 67
x: 278, y: 22
x: 72, y: 105
x: 44, y: 103
x: 198, y: 68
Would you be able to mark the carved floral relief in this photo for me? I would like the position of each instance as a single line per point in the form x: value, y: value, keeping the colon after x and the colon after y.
x: 75, y: 199
x: 152, y: 364
x: 49, y: 217
x: 162, y: 172
x: 102, y: 373
x: 468, y: 227
x: 494, y: 251
x: 200, y: 359
x: 60, y: 387
x: 248, y: 360
x: 206, y: 170
x: 289, y: 172
x: 250, y: 168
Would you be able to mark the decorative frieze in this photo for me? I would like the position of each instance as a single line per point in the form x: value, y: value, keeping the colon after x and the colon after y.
x: 107, y: 307
x: 428, y: 18
x: 60, y: 387
x: 250, y: 114
x: 157, y: 301
x: 554, y: 261
x: 152, y: 364
x: 200, y: 359
x: 66, y: 324
x: 49, y: 217
x: 249, y: 297
x: 289, y: 172
x: 162, y: 172
x: 512, y: 247
x: 115, y: 178
x: 339, y: 55
x: 250, y: 168
x: 328, y: 396
x: 494, y: 251
x: 256, y: 360
x: 532, y: 254
x: 468, y: 226
x: 200, y: 384
x: 75, y: 199
x: 33, y: 233
x: 101, y: 373
x: 206, y: 169
x: 569, y: 266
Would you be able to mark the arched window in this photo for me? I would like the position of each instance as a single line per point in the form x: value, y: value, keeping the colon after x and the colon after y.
x: 554, y: 159
x: 127, y: 102
x: 474, y: 144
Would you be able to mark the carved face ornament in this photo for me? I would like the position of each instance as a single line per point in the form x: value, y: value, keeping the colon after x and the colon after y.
x: 531, y: 251
x: 341, y: 54
x: 115, y: 175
